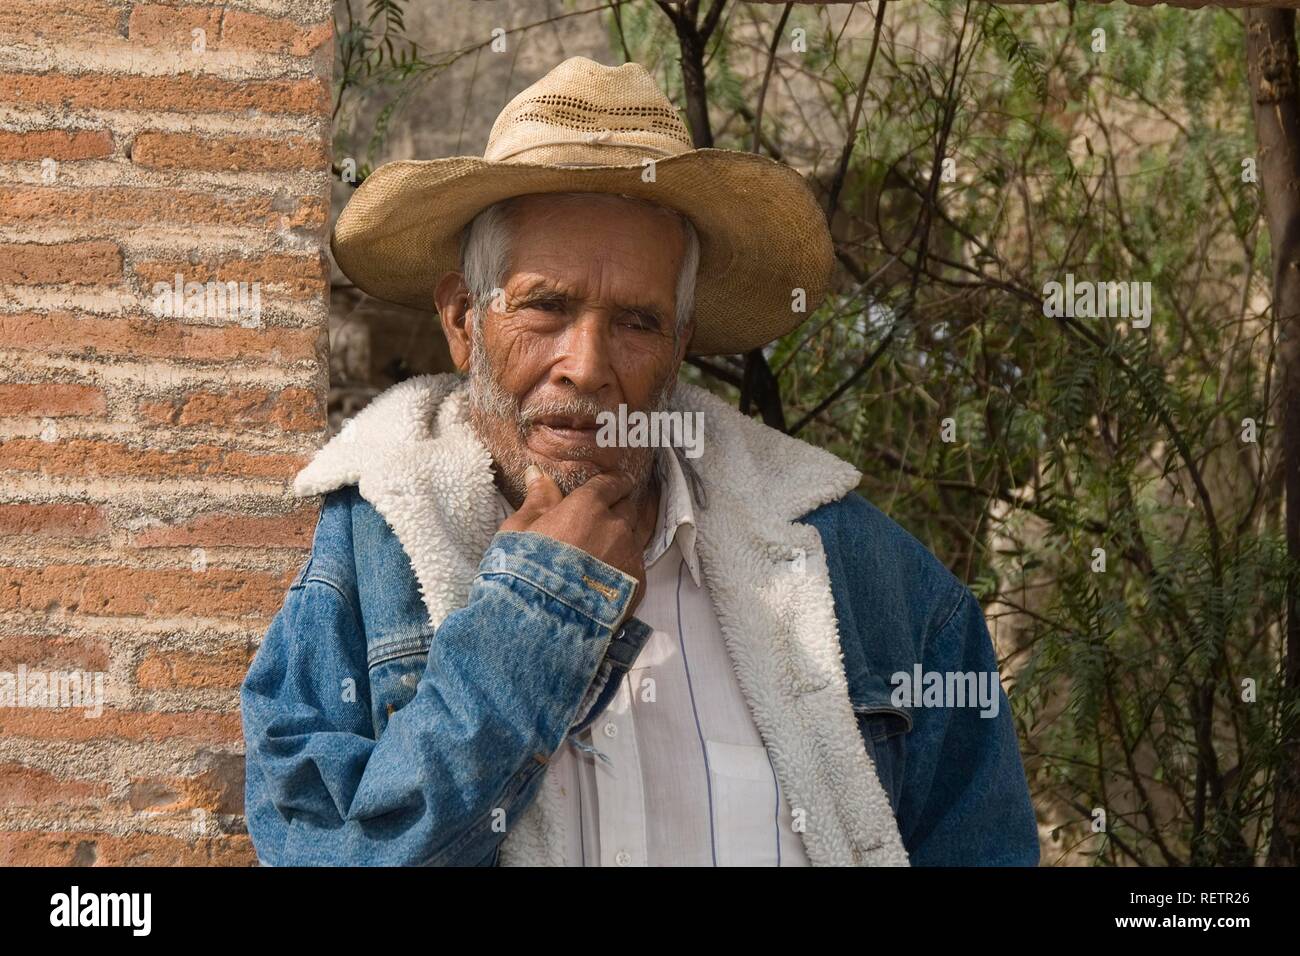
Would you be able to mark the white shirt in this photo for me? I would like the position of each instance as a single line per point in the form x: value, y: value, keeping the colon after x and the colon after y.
x: 688, y: 781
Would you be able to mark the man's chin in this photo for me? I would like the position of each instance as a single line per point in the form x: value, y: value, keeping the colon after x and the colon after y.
x: 567, y: 474
x: 572, y: 463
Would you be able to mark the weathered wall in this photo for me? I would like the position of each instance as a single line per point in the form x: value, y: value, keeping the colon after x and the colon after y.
x: 146, y: 530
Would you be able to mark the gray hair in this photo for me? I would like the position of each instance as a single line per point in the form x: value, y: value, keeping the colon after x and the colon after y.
x: 485, y: 250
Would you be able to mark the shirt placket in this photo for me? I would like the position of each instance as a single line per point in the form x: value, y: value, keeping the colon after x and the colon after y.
x: 620, y: 795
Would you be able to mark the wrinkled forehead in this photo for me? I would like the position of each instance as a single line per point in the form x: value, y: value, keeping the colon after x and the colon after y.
x: 605, y: 239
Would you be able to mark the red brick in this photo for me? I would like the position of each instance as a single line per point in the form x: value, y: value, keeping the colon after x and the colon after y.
x: 22, y: 786
x: 291, y: 409
x: 31, y: 20
x: 217, y: 788
x: 53, y: 652
x: 62, y: 332
x: 63, y: 145
x: 71, y: 723
x: 183, y: 429
x: 77, y: 263
x: 158, y: 25
x: 52, y: 520
x: 253, y: 31
x: 141, y: 592
x: 158, y: 150
x: 86, y: 457
x: 175, y: 669
x: 171, y: 27
x: 226, y: 530
x: 50, y: 399
x: 181, y: 93
x: 301, y: 277
x: 312, y: 213
x: 96, y: 205
x: 88, y: 848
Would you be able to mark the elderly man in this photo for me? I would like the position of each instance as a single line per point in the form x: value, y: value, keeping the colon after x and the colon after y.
x: 524, y: 636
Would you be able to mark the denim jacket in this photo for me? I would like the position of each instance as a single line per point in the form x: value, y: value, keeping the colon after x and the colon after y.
x: 406, y: 700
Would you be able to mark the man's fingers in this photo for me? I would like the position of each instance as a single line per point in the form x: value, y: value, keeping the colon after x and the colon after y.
x: 542, y: 493
x: 607, y: 488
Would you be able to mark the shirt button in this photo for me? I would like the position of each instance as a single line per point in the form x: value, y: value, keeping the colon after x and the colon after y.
x: 611, y: 729
x: 623, y: 858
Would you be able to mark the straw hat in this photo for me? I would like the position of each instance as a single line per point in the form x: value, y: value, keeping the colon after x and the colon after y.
x: 586, y: 127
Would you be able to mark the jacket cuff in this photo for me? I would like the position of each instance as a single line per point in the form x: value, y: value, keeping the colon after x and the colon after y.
x: 623, y: 650
x: 586, y: 584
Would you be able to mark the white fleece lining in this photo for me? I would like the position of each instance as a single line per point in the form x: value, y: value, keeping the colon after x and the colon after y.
x: 414, y: 456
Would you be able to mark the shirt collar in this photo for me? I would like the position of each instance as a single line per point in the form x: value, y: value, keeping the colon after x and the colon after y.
x: 676, y: 515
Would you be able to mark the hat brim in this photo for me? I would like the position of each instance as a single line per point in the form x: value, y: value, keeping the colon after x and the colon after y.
x: 762, y: 234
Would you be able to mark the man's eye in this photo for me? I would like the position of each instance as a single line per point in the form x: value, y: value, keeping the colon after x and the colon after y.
x: 646, y: 322
x: 543, y: 305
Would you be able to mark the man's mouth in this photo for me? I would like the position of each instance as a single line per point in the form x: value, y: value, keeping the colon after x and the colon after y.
x: 569, y: 427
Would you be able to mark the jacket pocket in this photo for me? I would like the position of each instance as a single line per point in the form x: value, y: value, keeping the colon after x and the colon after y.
x: 884, y: 727
x: 395, y: 669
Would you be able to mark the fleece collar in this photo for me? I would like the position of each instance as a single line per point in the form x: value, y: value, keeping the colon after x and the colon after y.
x: 415, y: 458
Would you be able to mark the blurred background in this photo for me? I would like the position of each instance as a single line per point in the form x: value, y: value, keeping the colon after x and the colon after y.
x: 1112, y: 492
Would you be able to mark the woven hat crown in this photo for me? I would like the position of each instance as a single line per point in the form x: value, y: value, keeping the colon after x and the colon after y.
x: 583, y: 113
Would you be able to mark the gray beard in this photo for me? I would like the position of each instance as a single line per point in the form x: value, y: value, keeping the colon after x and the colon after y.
x: 503, y: 425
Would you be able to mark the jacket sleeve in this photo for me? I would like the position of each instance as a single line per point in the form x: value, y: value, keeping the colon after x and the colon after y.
x: 964, y: 799
x: 507, y: 678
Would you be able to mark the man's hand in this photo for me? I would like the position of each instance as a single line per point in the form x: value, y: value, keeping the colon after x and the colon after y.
x: 597, y: 517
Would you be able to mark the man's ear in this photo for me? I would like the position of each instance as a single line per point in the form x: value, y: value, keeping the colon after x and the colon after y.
x: 452, y: 298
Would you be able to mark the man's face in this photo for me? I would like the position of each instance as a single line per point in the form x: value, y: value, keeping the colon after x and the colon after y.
x: 584, y: 324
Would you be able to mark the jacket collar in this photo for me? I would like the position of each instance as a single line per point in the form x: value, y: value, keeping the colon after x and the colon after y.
x: 415, y: 458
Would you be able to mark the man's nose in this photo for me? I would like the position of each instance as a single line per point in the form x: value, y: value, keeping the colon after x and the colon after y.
x: 586, y: 346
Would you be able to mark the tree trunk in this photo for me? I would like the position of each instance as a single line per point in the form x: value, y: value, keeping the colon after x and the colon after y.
x: 1271, y: 58
x: 697, y: 101
x: 759, y: 386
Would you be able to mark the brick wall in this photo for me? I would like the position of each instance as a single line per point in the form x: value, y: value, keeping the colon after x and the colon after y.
x: 147, y: 440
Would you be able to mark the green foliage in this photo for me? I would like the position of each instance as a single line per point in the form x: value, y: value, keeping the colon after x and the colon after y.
x: 1026, y: 58
x: 374, y: 56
